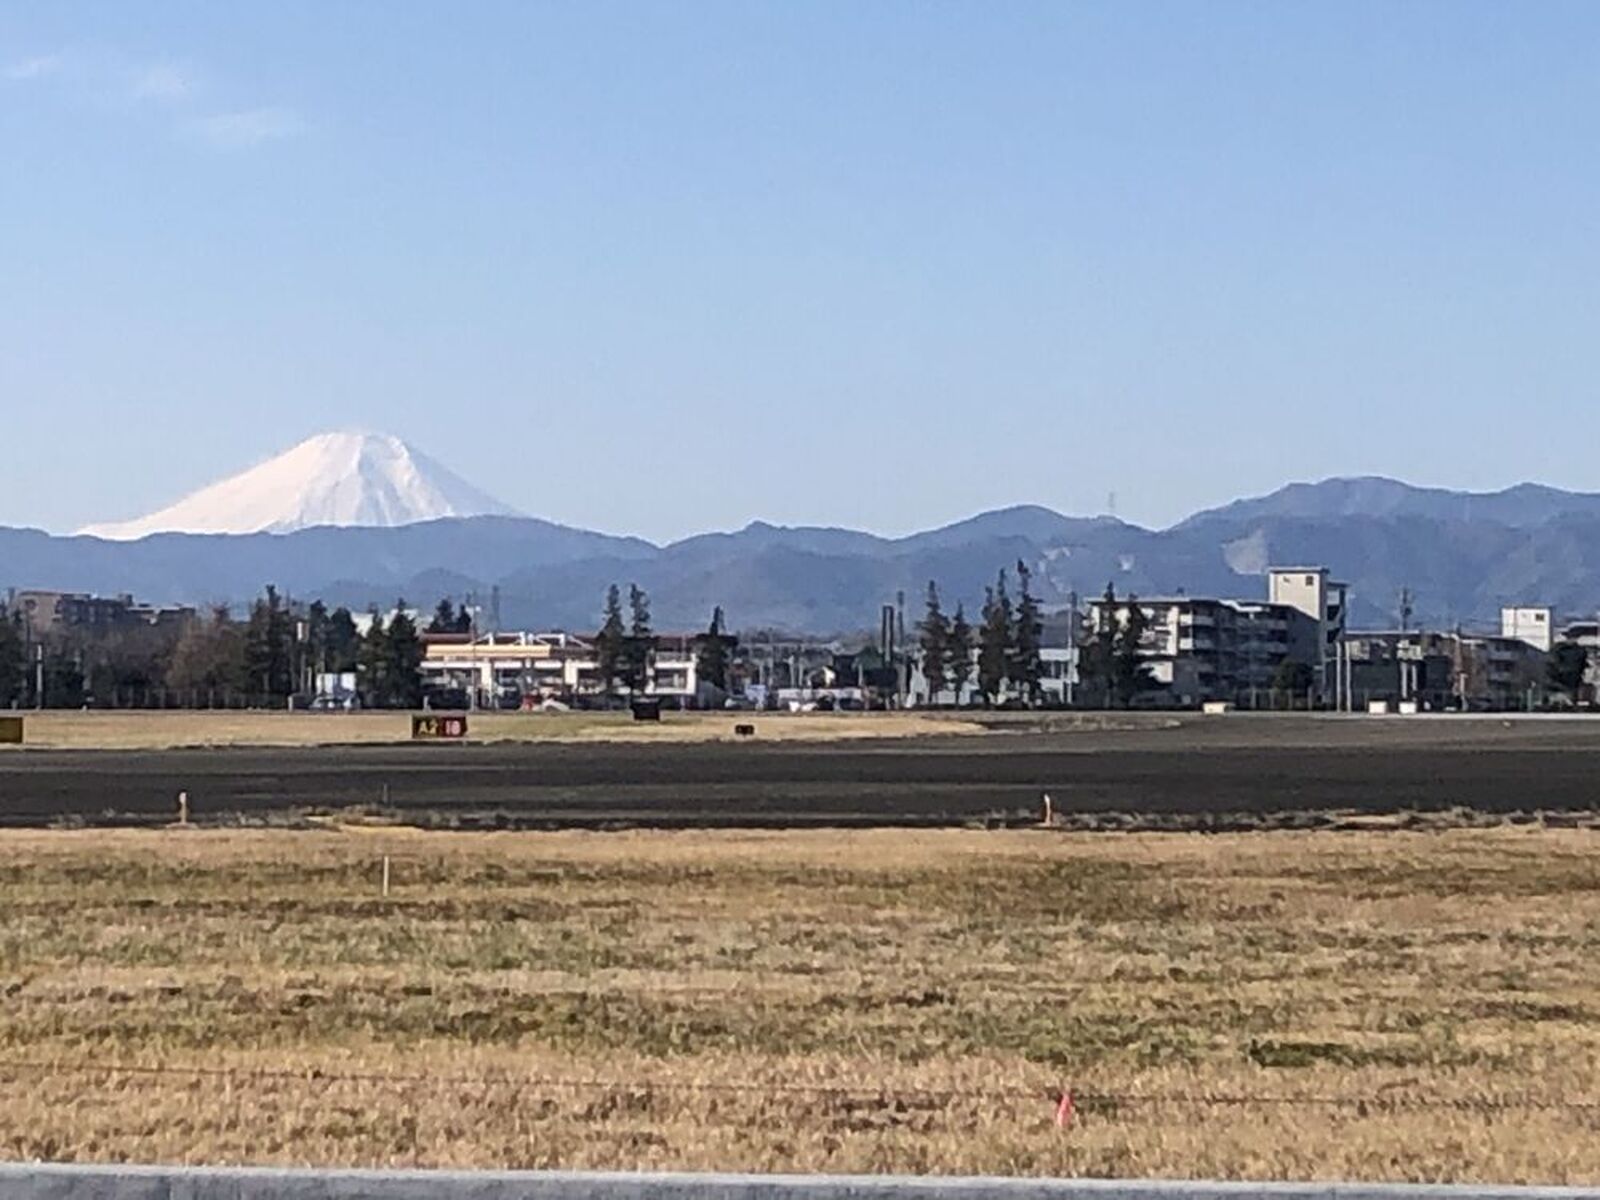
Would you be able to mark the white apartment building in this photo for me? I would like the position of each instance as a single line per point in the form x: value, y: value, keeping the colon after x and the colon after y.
x: 1530, y: 624
x: 1198, y: 648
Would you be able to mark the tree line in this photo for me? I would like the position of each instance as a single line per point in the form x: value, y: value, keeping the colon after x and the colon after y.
x: 626, y: 645
x: 1111, y: 671
x: 212, y: 659
x: 1003, y: 656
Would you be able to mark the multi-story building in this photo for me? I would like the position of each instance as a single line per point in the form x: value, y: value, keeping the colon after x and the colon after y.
x: 1499, y: 672
x: 46, y: 612
x: 1438, y: 671
x: 1398, y: 667
x: 1528, y: 624
x: 1196, y: 649
x: 1310, y: 591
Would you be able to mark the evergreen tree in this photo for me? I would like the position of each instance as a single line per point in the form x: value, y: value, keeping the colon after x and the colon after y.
x: 258, y: 648
x: 344, y: 641
x: 444, y: 617
x: 934, y: 638
x: 958, y: 659
x: 638, y: 648
x: 1026, y: 665
x: 13, y: 664
x: 1566, y: 668
x: 63, y: 679
x: 608, y: 643
x: 1098, y: 652
x: 316, y: 647
x: 405, y: 654
x: 994, y: 640
x: 268, y: 647
x: 373, y: 664
x: 713, y: 648
x: 1130, y: 675
x: 1293, y: 680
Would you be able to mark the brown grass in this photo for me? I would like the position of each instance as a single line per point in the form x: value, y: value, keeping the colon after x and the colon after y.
x: 168, y: 730
x: 881, y: 1001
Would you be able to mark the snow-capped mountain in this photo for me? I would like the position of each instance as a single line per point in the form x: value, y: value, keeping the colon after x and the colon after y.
x: 342, y: 479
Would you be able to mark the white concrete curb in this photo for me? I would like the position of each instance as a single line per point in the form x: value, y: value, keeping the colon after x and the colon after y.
x: 73, y: 1182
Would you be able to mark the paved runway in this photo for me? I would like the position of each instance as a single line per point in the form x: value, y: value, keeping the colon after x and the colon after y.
x: 1197, y: 771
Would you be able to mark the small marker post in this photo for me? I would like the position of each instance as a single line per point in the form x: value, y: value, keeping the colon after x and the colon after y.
x: 1047, y: 810
x: 386, y: 876
x: 183, y: 808
x: 1066, y: 1110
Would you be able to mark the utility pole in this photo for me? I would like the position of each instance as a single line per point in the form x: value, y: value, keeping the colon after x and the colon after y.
x: 1073, y: 629
x: 902, y: 673
x: 472, y: 635
x: 1349, y: 677
x: 1459, y: 663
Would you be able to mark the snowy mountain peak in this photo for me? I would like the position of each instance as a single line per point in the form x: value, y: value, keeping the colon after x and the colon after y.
x: 345, y: 478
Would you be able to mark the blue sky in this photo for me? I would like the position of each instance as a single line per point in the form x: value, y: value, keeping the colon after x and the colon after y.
x: 657, y: 268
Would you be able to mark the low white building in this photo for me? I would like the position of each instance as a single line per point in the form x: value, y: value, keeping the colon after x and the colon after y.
x: 1058, y: 677
x: 919, y: 695
x: 540, y: 666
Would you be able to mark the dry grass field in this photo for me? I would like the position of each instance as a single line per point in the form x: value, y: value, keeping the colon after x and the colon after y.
x: 70, y: 730
x: 1374, y: 1005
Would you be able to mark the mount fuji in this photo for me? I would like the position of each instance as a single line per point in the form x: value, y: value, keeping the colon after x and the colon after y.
x: 339, y: 479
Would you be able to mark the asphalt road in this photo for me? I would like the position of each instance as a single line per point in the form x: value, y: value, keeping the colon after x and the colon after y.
x: 1197, y: 770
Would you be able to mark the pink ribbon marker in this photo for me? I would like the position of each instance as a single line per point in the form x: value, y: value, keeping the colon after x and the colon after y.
x: 1065, y: 1110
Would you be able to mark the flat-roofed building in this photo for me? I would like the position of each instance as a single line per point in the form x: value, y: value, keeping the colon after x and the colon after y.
x: 1199, y: 648
x: 1528, y: 623
x: 1313, y: 592
x: 1438, y: 671
x: 47, y: 611
x: 546, y: 666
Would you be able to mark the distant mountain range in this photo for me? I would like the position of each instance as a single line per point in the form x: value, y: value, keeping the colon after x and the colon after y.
x: 1522, y: 507
x: 1461, y: 554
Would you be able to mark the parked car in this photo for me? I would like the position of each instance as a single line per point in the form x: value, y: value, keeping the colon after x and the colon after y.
x: 334, y: 704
